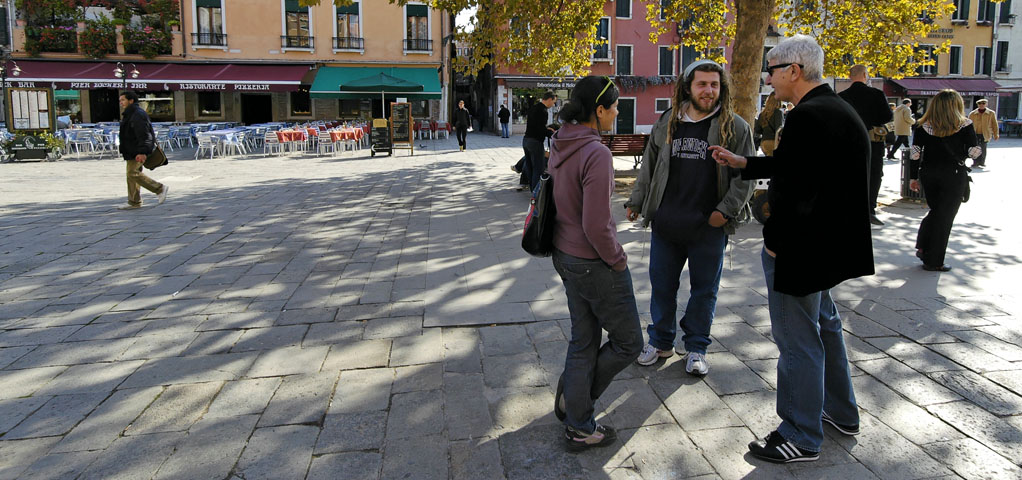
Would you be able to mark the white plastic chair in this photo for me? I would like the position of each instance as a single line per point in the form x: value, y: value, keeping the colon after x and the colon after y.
x: 206, y: 143
x: 271, y: 144
x: 326, y: 143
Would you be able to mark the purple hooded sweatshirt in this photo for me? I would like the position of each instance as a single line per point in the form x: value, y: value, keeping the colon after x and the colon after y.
x: 583, y: 174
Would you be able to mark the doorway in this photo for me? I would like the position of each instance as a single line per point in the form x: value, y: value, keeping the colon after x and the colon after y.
x: 256, y: 109
x: 625, y: 115
x: 104, y: 106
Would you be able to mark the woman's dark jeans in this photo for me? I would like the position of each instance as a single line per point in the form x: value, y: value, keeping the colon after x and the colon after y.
x: 598, y: 299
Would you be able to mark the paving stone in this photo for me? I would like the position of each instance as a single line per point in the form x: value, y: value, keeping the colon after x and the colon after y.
x: 507, y: 371
x: 300, y: 316
x: 755, y: 315
x: 415, y: 415
x: 9, y: 355
x: 362, y: 391
x: 973, y: 358
x: 744, y: 341
x: 362, y: 354
x: 921, y: 328
x: 665, y: 451
x: 35, y: 336
x: 393, y: 327
x: 918, y: 357
x: 107, y: 331
x: 17, y: 455
x: 242, y: 397
x: 917, y: 388
x: 693, y: 404
x: 756, y: 409
x: 728, y: 375
x: 176, y: 409
x: 270, y: 338
x: 411, y: 457
x: 462, y: 350
x: 766, y: 369
x: 90, y: 378
x: 505, y: 340
x: 515, y: 408
x: 631, y: 403
x: 350, y: 465
x: 858, y: 350
x: 540, y: 448
x: 334, y: 333
x: 109, y: 420
x: 970, y: 459
x: 1011, y: 332
x: 418, y: 378
x: 465, y: 415
x: 210, y: 449
x: 61, y: 465
x: 212, y: 343
x: 14, y: 410
x: 842, y: 471
x: 863, y: 327
x: 998, y: 435
x: 477, y: 458
x: 882, y: 450
x: 239, y: 320
x: 450, y: 315
x: 416, y: 350
x: 541, y: 332
x: 981, y: 391
x: 74, y: 353
x: 278, y: 453
x: 300, y: 399
x: 990, y: 344
x: 289, y: 361
x: 57, y: 416
x: 904, y: 417
x: 726, y: 449
x: 156, y: 346
x: 133, y: 457
x: 177, y: 370
x: 349, y: 432
x: 1009, y: 379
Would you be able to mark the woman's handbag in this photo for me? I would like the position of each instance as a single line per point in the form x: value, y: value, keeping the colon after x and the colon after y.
x: 156, y: 159
x: 538, y: 236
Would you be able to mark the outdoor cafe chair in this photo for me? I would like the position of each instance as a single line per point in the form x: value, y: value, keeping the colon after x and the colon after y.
x: 233, y: 142
x: 442, y: 129
x: 80, y: 140
x: 181, y: 135
x: 206, y: 143
x: 107, y: 142
x: 326, y: 143
x: 163, y: 140
x: 271, y: 144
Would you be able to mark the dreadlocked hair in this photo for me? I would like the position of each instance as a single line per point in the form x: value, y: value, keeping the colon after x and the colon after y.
x: 683, y: 93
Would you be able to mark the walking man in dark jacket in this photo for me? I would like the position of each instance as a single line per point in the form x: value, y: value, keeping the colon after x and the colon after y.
x: 536, y: 132
x: 505, y: 117
x: 137, y: 142
x: 462, y: 120
x: 871, y: 106
x: 817, y: 236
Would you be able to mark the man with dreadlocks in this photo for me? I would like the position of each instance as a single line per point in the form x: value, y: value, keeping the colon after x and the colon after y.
x: 693, y: 204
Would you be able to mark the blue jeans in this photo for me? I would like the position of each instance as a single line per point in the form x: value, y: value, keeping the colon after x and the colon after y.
x: 705, y: 257
x: 812, y: 371
x: 536, y: 159
x: 598, y: 299
x: 505, y: 130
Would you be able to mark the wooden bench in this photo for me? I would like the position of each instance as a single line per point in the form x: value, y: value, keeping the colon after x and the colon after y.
x: 633, y: 144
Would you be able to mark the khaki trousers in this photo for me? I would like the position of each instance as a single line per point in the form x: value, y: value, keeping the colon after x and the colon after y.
x: 137, y: 178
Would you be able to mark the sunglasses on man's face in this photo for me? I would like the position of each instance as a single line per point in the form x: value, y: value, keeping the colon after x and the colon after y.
x: 770, y: 69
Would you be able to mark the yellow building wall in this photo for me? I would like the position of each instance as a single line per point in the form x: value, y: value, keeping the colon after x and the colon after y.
x: 966, y: 34
x: 254, y: 28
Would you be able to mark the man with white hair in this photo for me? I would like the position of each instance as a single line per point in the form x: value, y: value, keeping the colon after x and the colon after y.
x: 817, y: 236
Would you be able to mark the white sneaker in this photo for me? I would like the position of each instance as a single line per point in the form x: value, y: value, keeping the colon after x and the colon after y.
x: 651, y: 354
x: 162, y: 196
x: 696, y: 364
x: 128, y: 206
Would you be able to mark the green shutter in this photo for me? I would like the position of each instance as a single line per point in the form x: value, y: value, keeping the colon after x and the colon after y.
x: 965, y: 10
x: 292, y: 6
x: 417, y: 10
x: 208, y: 3
x: 352, y: 9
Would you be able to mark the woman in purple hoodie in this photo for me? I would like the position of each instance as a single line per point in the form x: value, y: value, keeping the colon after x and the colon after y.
x: 591, y: 263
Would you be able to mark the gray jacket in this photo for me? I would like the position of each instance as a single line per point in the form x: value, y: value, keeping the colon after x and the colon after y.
x: 733, y: 193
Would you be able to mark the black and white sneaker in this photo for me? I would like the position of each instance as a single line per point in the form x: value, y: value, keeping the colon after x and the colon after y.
x: 579, y: 441
x: 774, y: 448
x: 850, y: 430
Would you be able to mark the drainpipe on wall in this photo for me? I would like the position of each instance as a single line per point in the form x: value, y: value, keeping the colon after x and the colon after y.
x: 181, y: 27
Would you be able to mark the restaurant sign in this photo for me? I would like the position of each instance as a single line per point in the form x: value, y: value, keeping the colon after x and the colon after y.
x: 156, y: 86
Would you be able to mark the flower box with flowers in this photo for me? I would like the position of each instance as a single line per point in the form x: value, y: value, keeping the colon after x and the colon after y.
x: 98, y: 41
x: 148, y: 41
x: 51, y: 38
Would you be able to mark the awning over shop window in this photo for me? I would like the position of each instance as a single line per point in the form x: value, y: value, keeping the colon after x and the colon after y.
x: 352, y: 9
x: 65, y: 95
x: 964, y: 86
x: 292, y: 6
x: 417, y: 10
x: 161, y: 76
x: 207, y: 3
x: 329, y: 81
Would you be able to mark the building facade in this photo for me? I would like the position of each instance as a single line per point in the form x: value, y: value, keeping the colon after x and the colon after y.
x: 248, y: 61
x: 1008, y: 59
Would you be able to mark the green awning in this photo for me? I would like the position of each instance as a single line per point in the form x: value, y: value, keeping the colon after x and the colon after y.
x: 65, y: 95
x: 208, y: 3
x: 330, y: 80
x: 417, y: 10
x: 352, y: 9
x: 293, y: 6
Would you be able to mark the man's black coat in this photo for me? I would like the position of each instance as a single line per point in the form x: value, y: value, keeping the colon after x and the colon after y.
x: 136, y: 134
x: 819, y: 219
x: 870, y: 103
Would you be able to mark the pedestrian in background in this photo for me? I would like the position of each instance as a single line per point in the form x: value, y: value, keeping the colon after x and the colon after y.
x: 504, y: 115
x: 942, y: 141
x: 903, y: 122
x: 462, y: 120
x: 693, y: 204
x: 536, y: 132
x: 591, y: 263
x: 871, y: 105
x: 984, y: 121
x: 817, y: 236
x: 768, y: 123
x: 137, y: 141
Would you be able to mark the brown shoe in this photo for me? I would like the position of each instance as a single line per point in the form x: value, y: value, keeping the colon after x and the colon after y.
x: 128, y: 206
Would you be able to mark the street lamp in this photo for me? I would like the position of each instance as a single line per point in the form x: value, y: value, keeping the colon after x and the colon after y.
x: 5, y: 56
x: 119, y: 73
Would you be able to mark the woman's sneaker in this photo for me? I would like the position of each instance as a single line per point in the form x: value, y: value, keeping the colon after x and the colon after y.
x: 850, y: 430
x: 578, y: 441
x: 695, y: 364
x: 774, y: 448
x: 651, y: 354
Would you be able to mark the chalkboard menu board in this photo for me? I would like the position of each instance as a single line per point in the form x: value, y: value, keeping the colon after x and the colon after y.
x: 29, y: 110
x: 401, y: 125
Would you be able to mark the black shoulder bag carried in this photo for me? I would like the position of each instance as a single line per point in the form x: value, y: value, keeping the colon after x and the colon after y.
x: 538, y: 236
x: 157, y: 158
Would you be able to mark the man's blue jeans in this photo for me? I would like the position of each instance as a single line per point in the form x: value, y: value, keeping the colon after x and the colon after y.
x: 705, y: 257
x: 536, y: 158
x: 812, y: 371
x: 505, y: 130
x: 598, y: 299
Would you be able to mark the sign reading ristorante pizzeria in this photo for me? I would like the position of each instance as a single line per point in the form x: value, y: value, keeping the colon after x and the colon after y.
x: 156, y: 86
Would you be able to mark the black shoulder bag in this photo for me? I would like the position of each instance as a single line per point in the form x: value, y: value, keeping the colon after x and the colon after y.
x: 538, y: 236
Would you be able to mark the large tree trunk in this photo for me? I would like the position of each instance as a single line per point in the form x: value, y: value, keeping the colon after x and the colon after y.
x: 752, y: 19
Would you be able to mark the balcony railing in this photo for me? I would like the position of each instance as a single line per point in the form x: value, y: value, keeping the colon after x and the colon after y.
x: 349, y: 43
x: 299, y: 41
x: 210, y: 39
x: 418, y: 45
